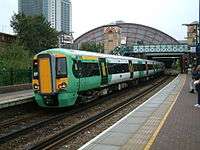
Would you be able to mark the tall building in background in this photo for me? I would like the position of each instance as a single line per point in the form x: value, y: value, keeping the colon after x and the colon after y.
x: 30, y: 7
x: 57, y: 12
x: 192, y: 33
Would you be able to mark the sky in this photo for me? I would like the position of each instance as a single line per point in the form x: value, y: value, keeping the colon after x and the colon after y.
x: 165, y: 15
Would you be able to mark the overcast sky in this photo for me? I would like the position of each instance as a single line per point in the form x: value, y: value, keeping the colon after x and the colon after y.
x: 165, y: 15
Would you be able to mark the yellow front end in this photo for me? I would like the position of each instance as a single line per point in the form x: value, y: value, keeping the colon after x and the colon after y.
x: 49, y: 78
x: 45, y: 76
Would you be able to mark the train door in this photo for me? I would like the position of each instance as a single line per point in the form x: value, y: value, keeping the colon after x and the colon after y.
x: 130, y: 68
x: 45, y: 74
x: 147, y: 69
x: 103, y: 71
x: 76, y: 68
x: 154, y: 69
x: 141, y: 69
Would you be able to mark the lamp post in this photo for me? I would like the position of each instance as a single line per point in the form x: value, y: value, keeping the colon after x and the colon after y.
x: 199, y: 23
x: 198, y: 41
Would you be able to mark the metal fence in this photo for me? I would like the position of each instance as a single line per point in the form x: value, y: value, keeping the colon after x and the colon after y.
x: 13, y: 76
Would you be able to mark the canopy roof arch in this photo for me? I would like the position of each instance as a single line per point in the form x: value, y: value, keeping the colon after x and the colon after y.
x: 132, y: 32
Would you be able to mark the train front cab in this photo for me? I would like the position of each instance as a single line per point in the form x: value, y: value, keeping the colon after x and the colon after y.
x: 50, y: 81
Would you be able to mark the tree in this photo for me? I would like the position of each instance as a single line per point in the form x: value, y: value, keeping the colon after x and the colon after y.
x: 15, y: 56
x: 93, y: 47
x: 34, y: 32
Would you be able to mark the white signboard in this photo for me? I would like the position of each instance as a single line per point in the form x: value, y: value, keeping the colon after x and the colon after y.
x: 123, y: 40
x: 193, y: 49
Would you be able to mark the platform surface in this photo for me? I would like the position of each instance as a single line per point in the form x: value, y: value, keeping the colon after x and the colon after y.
x: 15, y: 98
x: 181, y: 130
x: 140, y: 129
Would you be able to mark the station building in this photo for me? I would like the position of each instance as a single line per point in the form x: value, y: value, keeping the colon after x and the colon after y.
x: 192, y: 33
x: 114, y: 35
x: 6, y: 38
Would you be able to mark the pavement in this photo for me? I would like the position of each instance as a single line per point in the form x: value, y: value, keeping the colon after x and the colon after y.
x: 142, y: 128
x: 181, y: 130
x: 15, y: 98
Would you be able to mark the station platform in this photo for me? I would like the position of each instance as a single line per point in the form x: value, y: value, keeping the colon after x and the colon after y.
x: 15, y: 98
x: 168, y: 120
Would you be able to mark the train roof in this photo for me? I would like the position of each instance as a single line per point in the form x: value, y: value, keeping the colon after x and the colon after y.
x: 86, y: 53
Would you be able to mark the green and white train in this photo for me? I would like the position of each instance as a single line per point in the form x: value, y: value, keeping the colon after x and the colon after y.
x: 62, y: 77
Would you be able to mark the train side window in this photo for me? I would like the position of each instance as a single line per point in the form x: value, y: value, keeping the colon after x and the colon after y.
x: 61, y: 67
x: 88, y: 69
x: 125, y: 68
x: 141, y: 67
x: 35, y: 70
x: 150, y: 66
x: 135, y: 67
x: 115, y: 68
x: 156, y: 66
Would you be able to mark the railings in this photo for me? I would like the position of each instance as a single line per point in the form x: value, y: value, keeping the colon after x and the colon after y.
x: 15, y: 76
x: 152, y: 48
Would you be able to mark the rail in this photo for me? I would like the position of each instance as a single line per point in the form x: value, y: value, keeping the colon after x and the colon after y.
x: 71, y: 131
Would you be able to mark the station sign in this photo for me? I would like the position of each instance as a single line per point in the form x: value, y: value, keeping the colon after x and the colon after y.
x: 193, y: 49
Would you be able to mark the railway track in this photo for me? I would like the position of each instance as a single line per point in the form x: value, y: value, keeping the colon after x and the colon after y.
x: 68, y: 133
x: 5, y: 137
x: 15, y: 135
x: 12, y: 113
x: 11, y: 122
x: 24, y: 129
x: 19, y: 124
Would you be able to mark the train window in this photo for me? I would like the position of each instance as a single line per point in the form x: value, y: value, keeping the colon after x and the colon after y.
x: 150, y: 67
x: 75, y: 68
x: 156, y: 66
x: 135, y: 67
x: 35, y: 69
x: 143, y: 67
x: 61, y: 67
x: 88, y: 69
x: 139, y: 67
x: 115, y: 68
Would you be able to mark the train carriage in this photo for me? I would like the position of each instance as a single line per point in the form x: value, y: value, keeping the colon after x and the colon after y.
x: 60, y: 76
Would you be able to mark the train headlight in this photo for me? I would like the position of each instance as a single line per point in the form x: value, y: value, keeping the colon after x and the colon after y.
x: 36, y: 87
x: 62, y: 85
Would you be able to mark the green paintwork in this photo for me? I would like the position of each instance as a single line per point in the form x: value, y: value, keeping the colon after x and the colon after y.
x: 68, y: 96
x: 67, y: 99
x: 90, y: 83
x: 141, y: 73
x: 109, y: 78
x: 64, y: 98
x: 39, y: 99
x: 136, y: 74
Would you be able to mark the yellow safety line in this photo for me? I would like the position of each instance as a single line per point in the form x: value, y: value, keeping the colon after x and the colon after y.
x: 152, y: 139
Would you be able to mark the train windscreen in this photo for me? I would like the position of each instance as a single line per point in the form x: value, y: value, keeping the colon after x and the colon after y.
x: 61, y: 67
